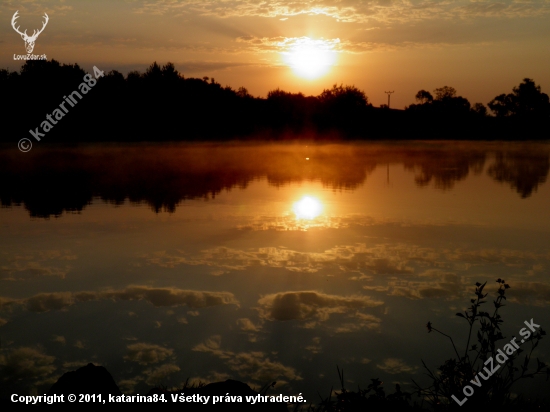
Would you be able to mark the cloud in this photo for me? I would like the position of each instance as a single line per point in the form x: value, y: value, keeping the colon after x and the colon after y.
x: 6, y: 303
x: 258, y: 367
x: 245, y: 8
x: 159, y: 297
x: 210, y: 378
x: 437, y: 283
x: 253, y: 365
x: 247, y: 325
x: 502, y: 9
x: 286, y: 44
x: 442, y: 284
x: 509, y: 257
x: 395, y: 366
x: 386, y: 266
x: 25, y: 363
x: 213, y: 345
x: 173, y: 297
x: 158, y: 375
x: 77, y: 364
x: 36, y: 8
x: 60, y: 339
x: 529, y: 293
x: 42, y: 263
x: 128, y: 385
x: 357, y: 321
x: 374, y: 288
x: 200, y: 67
x: 406, y: 270
x: 44, y: 302
x: 310, y: 304
x: 282, y: 44
x: 380, y: 259
x: 315, y: 347
x: 290, y: 223
x: 146, y: 353
x: 152, y: 376
x: 30, y: 270
x: 366, y: 320
x: 345, y: 11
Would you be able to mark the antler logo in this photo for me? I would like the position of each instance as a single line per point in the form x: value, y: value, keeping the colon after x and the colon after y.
x: 29, y: 40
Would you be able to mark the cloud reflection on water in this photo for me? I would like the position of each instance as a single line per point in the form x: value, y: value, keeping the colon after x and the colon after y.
x: 229, y: 284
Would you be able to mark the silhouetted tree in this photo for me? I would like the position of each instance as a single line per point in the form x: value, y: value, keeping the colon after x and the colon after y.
x: 290, y: 110
x: 153, y: 72
x: 281, y: 94
x: 445, y: 92
x: 349, y: 96
x: 243, y: 93
x: 423, y: 97
x: 169, y: 72
x: 479, y: 109
x: 526, y: 100
x: 446, y: 101
x: 7, y: 76
x: 344, y: 109
x: 161, y: 104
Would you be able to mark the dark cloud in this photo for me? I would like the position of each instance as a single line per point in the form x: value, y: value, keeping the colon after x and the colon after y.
x: 42, y: 263
x: 158, y: 375
x: 530, y: 293
x: 25, y: 363
x: 173, y: 297
x: 158, y: 297
x: 310, y: 304
x: 146, y: 353
x: 395, y: 366
x: 252, y: 365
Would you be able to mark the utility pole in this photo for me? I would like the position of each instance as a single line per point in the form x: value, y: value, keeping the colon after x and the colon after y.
x: 389, y: 95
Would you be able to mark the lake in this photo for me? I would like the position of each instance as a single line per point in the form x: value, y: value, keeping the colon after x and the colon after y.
x: 265, y: 262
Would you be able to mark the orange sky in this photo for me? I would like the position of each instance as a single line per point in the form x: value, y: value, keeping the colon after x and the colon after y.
x: 481, y: 48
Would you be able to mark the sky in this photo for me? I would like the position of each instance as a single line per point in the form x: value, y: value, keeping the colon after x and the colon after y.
x: 481, y: 48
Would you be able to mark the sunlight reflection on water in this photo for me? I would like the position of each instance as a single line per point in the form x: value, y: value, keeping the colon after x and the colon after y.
x: 213, y: 267
x: 308, y: 208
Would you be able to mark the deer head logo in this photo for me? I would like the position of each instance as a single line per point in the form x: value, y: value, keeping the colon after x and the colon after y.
x: 29, y: 40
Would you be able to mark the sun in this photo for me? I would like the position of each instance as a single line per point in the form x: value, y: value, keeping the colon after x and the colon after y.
x: 310, y: 58
x: 308, y: 208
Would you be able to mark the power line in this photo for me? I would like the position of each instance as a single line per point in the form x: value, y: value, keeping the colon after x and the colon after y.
x: 389, y: 95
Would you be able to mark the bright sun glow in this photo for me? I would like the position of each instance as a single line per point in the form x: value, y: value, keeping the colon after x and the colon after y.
x: 308, y: 208
x: 310, y: 58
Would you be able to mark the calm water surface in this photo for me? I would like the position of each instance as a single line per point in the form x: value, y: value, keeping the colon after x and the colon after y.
x: 264, y: 262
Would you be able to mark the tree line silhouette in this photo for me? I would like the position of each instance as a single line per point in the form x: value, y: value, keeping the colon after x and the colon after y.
x: 162, y: 104
x: 67, y: 179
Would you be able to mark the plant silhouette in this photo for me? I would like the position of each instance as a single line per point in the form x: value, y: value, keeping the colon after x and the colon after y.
x: 494, y: 390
